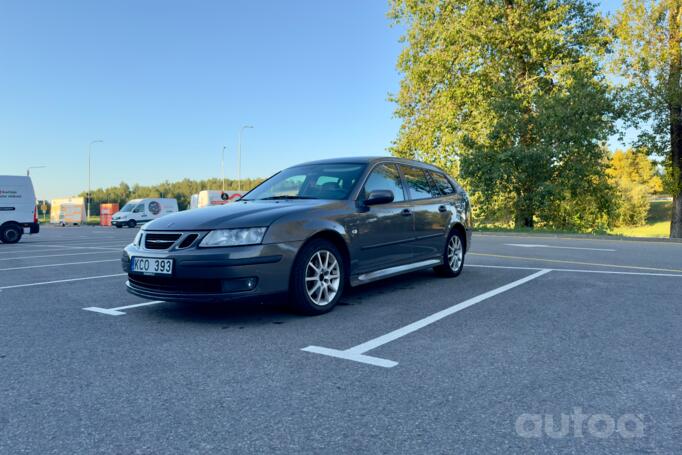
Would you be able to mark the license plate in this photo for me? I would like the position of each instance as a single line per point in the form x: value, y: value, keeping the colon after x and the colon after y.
x: 151, y: 266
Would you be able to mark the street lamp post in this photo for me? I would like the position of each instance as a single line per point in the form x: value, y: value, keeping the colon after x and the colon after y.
x: 90, y: 176
x: 239, y: 158
x: 28, y: 170
x: 222, y: 168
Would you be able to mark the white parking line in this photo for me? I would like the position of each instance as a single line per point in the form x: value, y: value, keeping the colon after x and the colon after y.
x: 528, y: 245
x: 357, y: 353
x: 26, y: 250
x: 14, y: 286
x: 77, y: 247
x: 117, y: 311
x: 58, y: 265
x: 606, y: 272
x: 94, y: 241
x: 56, y: 255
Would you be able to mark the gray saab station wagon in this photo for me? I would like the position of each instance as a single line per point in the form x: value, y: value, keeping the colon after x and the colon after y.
x: 309, y: 230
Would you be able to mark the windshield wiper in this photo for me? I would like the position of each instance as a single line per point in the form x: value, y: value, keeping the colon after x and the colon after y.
x: 270, y: 198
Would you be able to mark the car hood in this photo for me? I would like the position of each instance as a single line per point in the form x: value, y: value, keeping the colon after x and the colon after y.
x: 233, y: 215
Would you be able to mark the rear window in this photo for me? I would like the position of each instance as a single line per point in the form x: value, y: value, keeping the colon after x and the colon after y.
x: 417, y: 182
x: 443, y: 187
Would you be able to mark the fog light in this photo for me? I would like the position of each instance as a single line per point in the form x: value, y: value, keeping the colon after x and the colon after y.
x: 240, y: 284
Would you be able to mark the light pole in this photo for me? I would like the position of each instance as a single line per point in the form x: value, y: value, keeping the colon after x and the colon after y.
x: 222, y: 168
x: 90, y: 175
x: 239, y: 158
x: 28, y: 170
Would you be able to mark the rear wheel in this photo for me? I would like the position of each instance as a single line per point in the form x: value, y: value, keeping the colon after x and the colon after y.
x: 11, y: 233
x: 132, y: 223
x: 453, y: 256
x: 317, y: 278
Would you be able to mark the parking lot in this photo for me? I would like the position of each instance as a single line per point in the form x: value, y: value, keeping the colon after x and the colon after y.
x: 533, y: 329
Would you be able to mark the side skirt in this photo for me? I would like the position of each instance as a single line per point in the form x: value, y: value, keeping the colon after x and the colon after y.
x: 392, y: 271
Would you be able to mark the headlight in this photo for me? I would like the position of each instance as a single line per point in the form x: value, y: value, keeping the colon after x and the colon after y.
x: 234, y: 237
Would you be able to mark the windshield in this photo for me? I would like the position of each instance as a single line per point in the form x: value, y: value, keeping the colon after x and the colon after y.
x: 314, y: 181
x: 128, y: 207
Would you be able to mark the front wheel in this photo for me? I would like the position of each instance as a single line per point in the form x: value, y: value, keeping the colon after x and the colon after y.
x: 132, y: 223
x: 11, y: 233
x: 317, y: 278
x: 453, y: 256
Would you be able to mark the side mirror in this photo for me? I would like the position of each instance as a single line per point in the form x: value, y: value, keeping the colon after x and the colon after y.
x: 378, y: 197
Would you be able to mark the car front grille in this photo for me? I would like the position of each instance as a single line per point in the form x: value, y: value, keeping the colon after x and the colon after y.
x: 154, y: 241
x: 188, y: 241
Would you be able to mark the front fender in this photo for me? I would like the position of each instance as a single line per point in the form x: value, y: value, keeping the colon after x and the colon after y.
x: 302, y: 228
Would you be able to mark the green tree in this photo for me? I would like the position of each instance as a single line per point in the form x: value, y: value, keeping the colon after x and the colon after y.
x: 511, y: 92
x: 636, y: 179
x: 649, y: 59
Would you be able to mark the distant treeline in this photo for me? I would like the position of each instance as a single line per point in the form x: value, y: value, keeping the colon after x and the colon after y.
x: 182, y: 191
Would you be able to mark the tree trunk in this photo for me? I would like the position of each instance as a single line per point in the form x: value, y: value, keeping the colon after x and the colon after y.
x: 675, y: 106
x: 523, y: 212
x: 676, y: 223
x: 676, y: 165
x: 524, y: 220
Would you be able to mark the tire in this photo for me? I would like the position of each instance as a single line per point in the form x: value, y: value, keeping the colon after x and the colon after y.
x: 118, y: 226
x: 452, y: 265
x: 312, y: 292
x: 131, y: 223
x: 11, y: 233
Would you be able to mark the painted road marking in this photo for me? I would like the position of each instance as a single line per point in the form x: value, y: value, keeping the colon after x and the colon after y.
x: 357, y: 353
x: 576, y: 262
x: 117, y: 311
x: 58, y: 265
x: 33, y: 248
x: 606, y: 272
x: 57, y: 255
x: 83, y: 247
x: 14, y: 286
x: 530, y: 245
x: 662, y: 241
x: 92, y: 241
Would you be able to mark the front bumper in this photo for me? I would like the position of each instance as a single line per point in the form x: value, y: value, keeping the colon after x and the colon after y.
x: 214, y: 274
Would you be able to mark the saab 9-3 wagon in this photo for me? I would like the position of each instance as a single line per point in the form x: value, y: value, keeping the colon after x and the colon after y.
x: 308, y: 231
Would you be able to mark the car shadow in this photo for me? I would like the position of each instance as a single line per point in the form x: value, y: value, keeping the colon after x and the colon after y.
x: 274, y: 310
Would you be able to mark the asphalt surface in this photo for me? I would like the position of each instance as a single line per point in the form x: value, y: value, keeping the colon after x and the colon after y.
x: 492, y: 376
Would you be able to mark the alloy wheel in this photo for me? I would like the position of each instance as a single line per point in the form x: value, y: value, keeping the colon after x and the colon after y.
x: 455, y: 253
x: 322, y: 277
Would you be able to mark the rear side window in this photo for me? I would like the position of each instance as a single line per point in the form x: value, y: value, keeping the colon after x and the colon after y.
x: 417, y: 181
x: 385, y: 177
x: 443, y: 185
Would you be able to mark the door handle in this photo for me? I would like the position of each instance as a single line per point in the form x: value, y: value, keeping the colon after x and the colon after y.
x: 406, y: 212
x: 442, y: 208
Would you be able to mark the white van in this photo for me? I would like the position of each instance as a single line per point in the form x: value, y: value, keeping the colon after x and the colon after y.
x: 140, y: 211
x: 17, y: 208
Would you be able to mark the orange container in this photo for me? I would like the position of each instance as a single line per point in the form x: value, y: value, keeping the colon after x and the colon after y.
x: 105, y: 213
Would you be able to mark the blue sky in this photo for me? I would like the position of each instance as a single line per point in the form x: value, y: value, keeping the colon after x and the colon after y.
x: 166, y: 84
